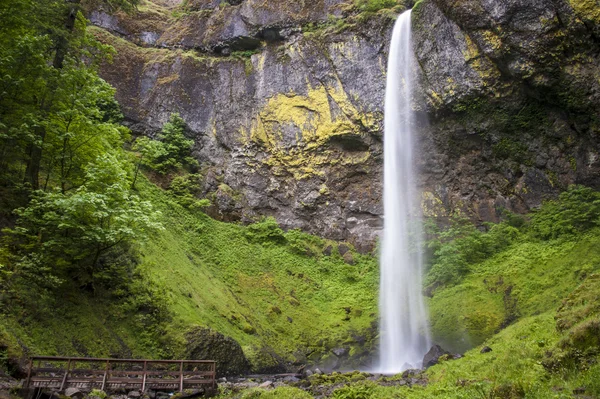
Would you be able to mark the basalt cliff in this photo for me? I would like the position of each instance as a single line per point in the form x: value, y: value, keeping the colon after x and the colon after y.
x: 285, y: 102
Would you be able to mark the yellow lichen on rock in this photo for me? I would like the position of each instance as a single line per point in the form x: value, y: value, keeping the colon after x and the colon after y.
x: 587, y: 9
x: 293, y: 127
x: 432, y: 205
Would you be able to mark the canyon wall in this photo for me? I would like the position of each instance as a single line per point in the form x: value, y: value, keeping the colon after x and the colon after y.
x: 285, y: 103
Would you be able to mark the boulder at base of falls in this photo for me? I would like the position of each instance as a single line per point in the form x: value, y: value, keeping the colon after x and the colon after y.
x: 206, y: 344
x: 433, y: 356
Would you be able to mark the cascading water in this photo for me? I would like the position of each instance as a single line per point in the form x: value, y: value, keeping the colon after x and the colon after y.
x: 403, y: 326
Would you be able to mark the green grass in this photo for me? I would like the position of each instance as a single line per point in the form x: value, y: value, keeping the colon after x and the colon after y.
x: 261, y: 294
x: 265, y: 294
x: 527, y: 279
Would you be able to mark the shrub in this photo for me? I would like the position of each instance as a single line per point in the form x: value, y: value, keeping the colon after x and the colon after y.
x: 265, y: 231
x: 575, y: 211
x: 374, y: 5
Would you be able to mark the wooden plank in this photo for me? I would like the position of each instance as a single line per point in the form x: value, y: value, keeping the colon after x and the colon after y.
x: 181, y: 377
x: 105, y: 376
x: 64, y: 380
x: 145, y: 375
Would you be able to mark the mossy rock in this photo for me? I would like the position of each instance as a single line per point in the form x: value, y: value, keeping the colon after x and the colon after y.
x: 206, y: 344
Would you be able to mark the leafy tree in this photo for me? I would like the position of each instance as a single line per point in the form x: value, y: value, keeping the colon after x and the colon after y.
x: 575, y: 211
x: 72, y: 231
x: 461, y: 244
x: 171, y: 152
x: 47, y: 65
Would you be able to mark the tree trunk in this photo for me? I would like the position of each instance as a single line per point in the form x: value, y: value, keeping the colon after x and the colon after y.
x: 62, y: 44
x: 32, y: 172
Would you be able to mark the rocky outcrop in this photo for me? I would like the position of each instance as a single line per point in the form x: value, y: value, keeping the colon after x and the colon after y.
x: 513, y: 92
x: 293, y: 131
x: 203, y: 344
x: 285, y: 101
x: 432, y: 357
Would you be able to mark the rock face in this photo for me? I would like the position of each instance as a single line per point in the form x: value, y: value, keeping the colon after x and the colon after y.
x: 205, y: 344
x: 285, y: 101
x: 432, y: 357
x: 513, y: 89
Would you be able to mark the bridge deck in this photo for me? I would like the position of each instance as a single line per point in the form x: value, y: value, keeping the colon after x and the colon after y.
x: 77, y: 372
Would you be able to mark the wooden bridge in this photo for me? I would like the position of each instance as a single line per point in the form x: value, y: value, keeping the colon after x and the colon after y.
x: 107, y: 374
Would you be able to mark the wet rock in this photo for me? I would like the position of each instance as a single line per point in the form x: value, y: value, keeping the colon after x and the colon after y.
x: 348, y: 258
x: 343, y: 249
x: 205, y: 344
x: 134, y: 394
x: 486, y: 349
x: 433, y: 355
x: 74, y: 393
x: 340, y: 352
x: 266, y: 384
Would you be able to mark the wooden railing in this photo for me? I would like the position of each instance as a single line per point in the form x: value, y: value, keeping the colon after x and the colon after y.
x: 105, y: 374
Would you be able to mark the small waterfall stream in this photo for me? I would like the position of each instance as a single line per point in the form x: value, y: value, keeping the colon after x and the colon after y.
x: 403, y: 326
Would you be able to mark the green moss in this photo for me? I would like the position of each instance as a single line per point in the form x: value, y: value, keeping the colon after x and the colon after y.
x: 587, y: 10
x: 315, y: 123
x: 203, y: 272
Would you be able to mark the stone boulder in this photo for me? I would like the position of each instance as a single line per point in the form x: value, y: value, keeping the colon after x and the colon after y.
x: 431, y: 358
x: 206, y: 344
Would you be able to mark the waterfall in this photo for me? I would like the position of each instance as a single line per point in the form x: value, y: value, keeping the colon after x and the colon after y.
x: 403, y: 326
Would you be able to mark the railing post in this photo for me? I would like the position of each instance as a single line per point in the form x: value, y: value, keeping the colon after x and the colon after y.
x: 64, y: 380
x: 105, y: 377
x: 144, y: 377
x: 181, y: 377
x: 214, y: 373
x: 28, y: 381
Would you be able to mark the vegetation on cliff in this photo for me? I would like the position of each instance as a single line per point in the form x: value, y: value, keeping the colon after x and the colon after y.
x: 98, y: 261
x: 106, y: 251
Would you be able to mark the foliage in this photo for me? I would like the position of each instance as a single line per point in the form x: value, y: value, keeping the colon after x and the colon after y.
x: 303, y: 243
x: 265, y: 231
x: 575, y: 211
x: 462, y: 244
x: 186, y: 189
x: 457, y: 247
x: 374, y: 5
x: 72, y: 230
x: 171, y: 152
x: 363, y: 390
x: 278, y: 393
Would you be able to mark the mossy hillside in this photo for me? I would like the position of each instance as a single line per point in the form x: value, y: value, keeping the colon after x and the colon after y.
x: 278, y: 293
x: 273, y: 292
x: 526, y: 279
x: 548, y: 355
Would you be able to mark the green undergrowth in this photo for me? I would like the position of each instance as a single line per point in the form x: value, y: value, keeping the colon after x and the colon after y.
x: 275, y: 293
x: 554, y: 354
x: 528, y: 278
x: 480, y: 282
x: 264, y: 288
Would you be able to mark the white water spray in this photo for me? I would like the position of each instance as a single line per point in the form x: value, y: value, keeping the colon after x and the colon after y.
x: 403, y: 327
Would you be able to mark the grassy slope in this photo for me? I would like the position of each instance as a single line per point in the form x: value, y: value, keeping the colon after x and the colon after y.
x: 554, y: 283
x: 257, y: 294
x: 210, y: 274
x: 527, y: 279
